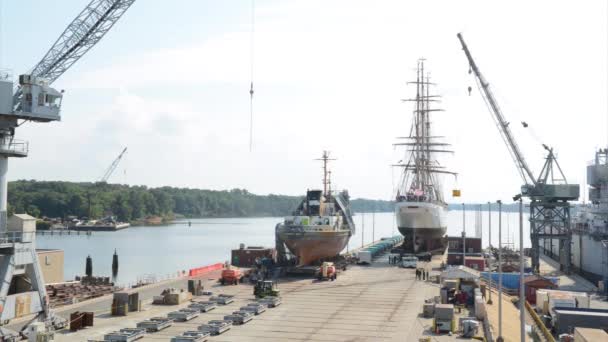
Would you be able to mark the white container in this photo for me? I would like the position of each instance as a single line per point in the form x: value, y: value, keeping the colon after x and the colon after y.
x: 582, y: 301
x: 365, y: 257
x: 582, y: 298
x: 480, y: 308
x: 541, y: 298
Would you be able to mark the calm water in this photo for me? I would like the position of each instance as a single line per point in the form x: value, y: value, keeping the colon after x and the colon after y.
x: 163, y: 251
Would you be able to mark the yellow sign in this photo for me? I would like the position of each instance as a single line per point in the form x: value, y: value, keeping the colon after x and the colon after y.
x: 455, y: 193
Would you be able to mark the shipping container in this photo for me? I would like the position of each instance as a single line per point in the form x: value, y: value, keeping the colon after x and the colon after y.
x: 542, y: 296
x: 246, y: 257
x: 476, y: 263
x: 472, y: 245
x: 511, y: 280
x: 566, y: 319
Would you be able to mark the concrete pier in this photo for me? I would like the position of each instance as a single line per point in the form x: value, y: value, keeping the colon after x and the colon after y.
x: 379, y: 302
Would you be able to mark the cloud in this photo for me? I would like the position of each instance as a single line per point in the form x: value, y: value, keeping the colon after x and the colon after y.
x: 331, y: 76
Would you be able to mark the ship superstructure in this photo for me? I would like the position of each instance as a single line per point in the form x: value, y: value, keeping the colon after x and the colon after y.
x: 590, y: 224
x: 421, y: 211
x: 321, y: 225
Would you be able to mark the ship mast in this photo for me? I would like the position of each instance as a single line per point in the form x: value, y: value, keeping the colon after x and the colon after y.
x: 421, y: 167
x: 326, y: 173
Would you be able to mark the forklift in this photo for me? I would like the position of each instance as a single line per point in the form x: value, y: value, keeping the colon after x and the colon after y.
x: 265, y: 288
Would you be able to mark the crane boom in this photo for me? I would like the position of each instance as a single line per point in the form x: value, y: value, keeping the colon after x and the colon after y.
x: 113, y: 166
x: 503, y: 125
x: 95, y: 20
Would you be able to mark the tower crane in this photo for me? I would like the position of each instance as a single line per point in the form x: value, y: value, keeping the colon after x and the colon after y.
x: 33, y: 99
x: 112, y: 167
x: 549, y: 196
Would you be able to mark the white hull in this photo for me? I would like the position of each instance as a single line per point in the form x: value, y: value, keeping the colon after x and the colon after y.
x: 425, y: 219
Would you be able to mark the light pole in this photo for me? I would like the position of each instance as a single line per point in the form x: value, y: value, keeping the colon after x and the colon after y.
x: 500, y: 338
x: 464, y: 234
x: 522, y: 297
x: 490, y: 242
x: 362, y: 230
x: 373, y: 225
x: 479, y: 214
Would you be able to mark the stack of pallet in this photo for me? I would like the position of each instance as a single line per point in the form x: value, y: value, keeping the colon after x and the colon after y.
x: 80, y: 320
x: 70, y: 293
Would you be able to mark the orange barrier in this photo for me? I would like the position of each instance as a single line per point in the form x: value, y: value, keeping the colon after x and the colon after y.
x: 193, y: 272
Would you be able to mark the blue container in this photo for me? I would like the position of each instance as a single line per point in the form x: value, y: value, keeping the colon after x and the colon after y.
x: 511, y: 280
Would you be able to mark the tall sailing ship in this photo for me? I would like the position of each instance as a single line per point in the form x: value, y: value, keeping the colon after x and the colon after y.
x: 420, y: 209
x: 321, y: 225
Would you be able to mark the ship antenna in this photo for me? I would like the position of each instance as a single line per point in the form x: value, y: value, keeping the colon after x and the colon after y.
x: 325, y: 158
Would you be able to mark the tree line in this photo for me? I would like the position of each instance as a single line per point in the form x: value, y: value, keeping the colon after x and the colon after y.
x: 129, y: 203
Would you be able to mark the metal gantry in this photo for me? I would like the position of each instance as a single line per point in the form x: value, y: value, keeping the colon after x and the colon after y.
x: 86, y: 30
x: 35, y: 100
x: 549, y: 196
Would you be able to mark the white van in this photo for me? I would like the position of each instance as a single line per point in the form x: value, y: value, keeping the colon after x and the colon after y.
x: 409, y: 262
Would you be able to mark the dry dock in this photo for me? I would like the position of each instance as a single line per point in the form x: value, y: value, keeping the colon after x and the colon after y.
x: 366, y: 303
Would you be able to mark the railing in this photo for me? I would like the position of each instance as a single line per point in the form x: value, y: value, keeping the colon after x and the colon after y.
x: 16, y: 237
x: 6, y: 75
x: 14, y: 146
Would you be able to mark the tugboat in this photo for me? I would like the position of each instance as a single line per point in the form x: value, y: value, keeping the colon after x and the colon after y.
x: 321, y: 225
x: 420, y: 209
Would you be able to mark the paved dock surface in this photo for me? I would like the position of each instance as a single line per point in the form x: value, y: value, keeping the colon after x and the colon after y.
x: 379, y: 302
x: 102, y: 305
x: 510, y: 318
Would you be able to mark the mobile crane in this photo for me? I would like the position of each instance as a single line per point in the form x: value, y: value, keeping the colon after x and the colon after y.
x: 549, y: 196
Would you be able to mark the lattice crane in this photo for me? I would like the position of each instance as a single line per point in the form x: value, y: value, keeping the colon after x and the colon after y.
x: 112, y: 167
x: 33, y: 99
x: 86, y: 30
x: 550, y: 196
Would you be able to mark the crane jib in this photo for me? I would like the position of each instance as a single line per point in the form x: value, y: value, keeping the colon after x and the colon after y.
x: 52, y: 66
x: 505, y: 131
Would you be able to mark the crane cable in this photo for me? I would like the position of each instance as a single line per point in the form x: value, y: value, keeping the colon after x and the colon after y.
x: 251, y: 66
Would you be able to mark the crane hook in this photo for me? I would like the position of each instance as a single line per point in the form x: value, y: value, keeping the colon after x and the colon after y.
x: 469, y: 89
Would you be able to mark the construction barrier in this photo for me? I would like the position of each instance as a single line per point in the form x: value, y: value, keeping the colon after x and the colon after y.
x: 193, y: 272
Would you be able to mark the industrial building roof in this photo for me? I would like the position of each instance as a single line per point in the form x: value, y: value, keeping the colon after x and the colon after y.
x: 24, y: 216
x: 460, y: 272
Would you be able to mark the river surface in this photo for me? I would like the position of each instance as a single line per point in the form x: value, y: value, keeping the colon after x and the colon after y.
x: 160, y: 252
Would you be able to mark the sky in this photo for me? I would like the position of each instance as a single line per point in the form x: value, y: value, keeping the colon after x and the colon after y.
x: 171, y: 81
